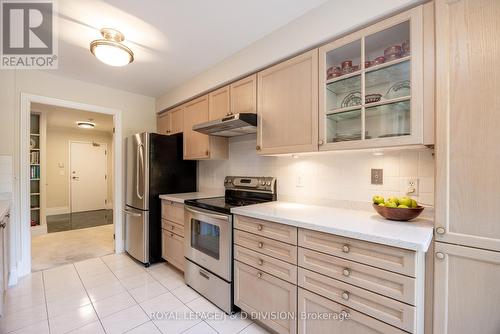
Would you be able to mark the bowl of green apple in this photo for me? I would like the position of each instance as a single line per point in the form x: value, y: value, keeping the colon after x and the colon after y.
x: 394, y: 208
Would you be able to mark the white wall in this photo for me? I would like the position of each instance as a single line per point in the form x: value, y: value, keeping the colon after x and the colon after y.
x: 330, y: 20
x: 137, y: 115
x: 334, y: 178
x: 58, y: 155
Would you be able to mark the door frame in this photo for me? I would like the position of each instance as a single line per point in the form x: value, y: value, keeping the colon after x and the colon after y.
x: 69, y: 169
x: 20, y: 238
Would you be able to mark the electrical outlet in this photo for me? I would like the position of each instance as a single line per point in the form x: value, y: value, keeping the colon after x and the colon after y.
x: 377, y: 176
x: 412, y: 186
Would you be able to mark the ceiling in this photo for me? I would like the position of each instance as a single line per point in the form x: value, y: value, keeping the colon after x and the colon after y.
x: 172, y: 40
x: 60, y: 117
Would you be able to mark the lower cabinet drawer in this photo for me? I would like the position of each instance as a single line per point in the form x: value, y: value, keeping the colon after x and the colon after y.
x: 265, y: 296
x: 267, y: 229
x: 172, y: 211
x: 172, y: 247
x: 385, y: 309
x: 380, y: 281
x: 270, y: 265
x: 277, y: 249
x: 390, y: 258
x: 173, y: 227
x: 335, y: 318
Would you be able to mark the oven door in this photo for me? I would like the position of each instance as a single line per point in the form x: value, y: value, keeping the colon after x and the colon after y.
x: 208, y: 240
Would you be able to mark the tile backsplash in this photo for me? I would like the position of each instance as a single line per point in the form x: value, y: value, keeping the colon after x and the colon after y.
x: 332, y: 178
x: 6, y: 173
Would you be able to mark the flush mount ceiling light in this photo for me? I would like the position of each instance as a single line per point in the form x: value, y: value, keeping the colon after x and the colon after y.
x: 86, y: 124
x: 110, y: 50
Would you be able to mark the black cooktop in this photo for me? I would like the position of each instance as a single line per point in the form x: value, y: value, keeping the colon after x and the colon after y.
x: 232, y: 199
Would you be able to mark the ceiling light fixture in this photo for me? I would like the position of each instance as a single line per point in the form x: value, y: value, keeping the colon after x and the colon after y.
x: 86, y: 124
x: 110, y: 50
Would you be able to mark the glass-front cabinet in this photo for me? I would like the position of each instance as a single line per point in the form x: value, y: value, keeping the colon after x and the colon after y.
x: 371, y: 86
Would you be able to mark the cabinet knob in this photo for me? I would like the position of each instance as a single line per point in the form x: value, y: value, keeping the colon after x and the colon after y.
x: 345, y: 248
x: 259, y: 275
x: 259, y: 227
x: 3, y: 225
x: 345, y: 295
x: 320, y: 142
x: 207, y: 153
x: 172, y: 227
x: 440, y: 230
x: 171, y: 235
x: 261, y: 262
x: 261, y: 244
x: 346, y: 272
x: 440, y: 255
x: 257, y: 147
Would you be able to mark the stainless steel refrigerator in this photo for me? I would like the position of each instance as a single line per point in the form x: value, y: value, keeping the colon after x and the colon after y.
x: 154, y: 166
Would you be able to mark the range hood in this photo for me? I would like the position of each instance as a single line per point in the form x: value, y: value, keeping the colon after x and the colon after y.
x: 229, y: 126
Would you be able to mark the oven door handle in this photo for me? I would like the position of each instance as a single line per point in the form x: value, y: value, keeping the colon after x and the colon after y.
x: 211, y: 215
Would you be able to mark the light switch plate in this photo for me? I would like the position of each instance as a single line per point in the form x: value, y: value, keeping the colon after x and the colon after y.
x: 377, y: 176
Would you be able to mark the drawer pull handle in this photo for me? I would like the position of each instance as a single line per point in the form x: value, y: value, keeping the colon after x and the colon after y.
x: 172, y: 227
x: 440, y: 255
x: 261, y: 244
x: 259, y: 275
x: 345, y: 248
x: 345, y: 295
x: 346, y: 272
x: 259, y: 227
x: 440, y: 230
x: 261, y: 262
x: 204, y: 274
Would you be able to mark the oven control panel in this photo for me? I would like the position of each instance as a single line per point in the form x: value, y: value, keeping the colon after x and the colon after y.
x: 252, y: 183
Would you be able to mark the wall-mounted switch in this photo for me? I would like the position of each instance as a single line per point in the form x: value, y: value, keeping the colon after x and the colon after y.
x: 377, y: 176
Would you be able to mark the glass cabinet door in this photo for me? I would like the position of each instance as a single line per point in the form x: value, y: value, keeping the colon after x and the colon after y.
x: 372, y: 85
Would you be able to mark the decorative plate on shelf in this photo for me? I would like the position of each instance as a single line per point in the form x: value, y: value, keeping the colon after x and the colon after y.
x: 351, y: 99
x: 399, y: 89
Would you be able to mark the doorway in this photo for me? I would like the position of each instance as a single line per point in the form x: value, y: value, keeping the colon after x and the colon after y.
x: 91, y: 216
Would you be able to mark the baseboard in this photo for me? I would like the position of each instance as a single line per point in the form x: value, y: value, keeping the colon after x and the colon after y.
x: 61, y: 210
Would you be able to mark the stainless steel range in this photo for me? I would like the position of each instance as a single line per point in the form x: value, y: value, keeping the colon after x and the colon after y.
x: 209, y: 236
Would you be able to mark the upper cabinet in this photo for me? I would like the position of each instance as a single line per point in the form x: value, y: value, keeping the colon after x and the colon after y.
x: 171, y: 122
x: 198, y: 146
x: 287, y: 106
x: 372, y: 84
x: 219, y: 103
x: 244, y: 95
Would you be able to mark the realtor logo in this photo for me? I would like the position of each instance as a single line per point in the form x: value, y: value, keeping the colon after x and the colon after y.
x: 28, y: 35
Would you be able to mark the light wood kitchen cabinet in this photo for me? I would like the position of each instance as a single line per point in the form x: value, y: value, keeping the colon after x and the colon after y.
x: 467, y: 152
x: 287, y: 106
x: 172, y: 211
x: 173, y: 249
x: 339, y: 319
x: 466, y: 292
x: 198, y: 146
x: 257, y: 291
x: 170, y: 122
x: 371, y: 83
x: 219, y: 103
x: 244, y: 95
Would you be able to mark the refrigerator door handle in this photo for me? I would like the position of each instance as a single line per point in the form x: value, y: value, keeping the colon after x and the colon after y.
x: 135, y: 214
x: 138, y: 176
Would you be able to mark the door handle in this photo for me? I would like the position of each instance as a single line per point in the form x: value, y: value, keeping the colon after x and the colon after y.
x: 211, y: 215
x: 135, y: 214
x: 139, y: 148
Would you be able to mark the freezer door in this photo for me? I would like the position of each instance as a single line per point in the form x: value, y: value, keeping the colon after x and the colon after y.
x: 137, y: 233
x: 137, y: 185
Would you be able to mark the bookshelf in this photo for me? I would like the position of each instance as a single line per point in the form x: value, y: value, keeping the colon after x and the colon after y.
x: 35, y: 169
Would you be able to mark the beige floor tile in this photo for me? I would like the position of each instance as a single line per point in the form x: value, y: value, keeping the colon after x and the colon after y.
x: 162, y: 303
x: 177, y: 320
x: 92, y: 328
x: 99, y: 279
x: 171, y: 282
x: 105, y: 290
x: 69, y: 302
x: 127, y: 271
x: 41, y: 327
x: 137, y: 280
x: 110, y: 305
x: 23, y: 318
x: 147, y: 291
x: 254, y: 329
x: 124, y: 320
x: 72, y: 320
x: 185, y: 294
x: 146, y: 328
x: 201, y: 328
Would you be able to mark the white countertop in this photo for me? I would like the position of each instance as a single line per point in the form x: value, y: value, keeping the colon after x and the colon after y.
x: 364, y: 225
x: 181, y: 197
x: 4, y: 208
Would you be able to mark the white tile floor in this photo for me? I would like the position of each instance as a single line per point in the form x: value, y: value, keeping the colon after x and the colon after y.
x: 113, y: 294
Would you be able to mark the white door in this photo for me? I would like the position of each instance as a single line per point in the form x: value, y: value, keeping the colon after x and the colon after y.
x: 88, y: 176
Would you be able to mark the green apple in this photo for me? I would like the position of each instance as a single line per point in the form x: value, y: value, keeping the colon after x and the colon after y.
x: 405, y: 201
x: 414, y: 203
x: 377, y: 199
x: 391, y: 204
x: 402, y: 206
x: 381, y: 204
x: 393, y: 199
